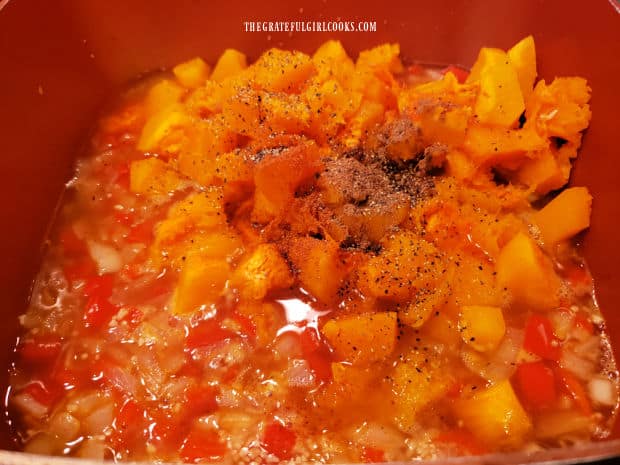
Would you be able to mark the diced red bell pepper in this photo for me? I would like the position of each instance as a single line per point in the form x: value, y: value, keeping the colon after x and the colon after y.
x: 129, y: 423
x: 42, y: 349
x: 207, y: 333
x: 202, y: 446
x: 248, y: 328
x: 71, y: 244
x: 575, y: 389
x: 316, y: 353
x: 81, y: 269
x: 41, y: 392
x: 99, y: 286
x: 98, y: 312
x: 415, y: 70
x: 140, y: 233
x: 465, y: 442
x: 279, y: 440
x: 202, y: 400
x: 582, y: 321
x: 460, y: 73
x: 166, y: 431
x: 540, y: 339
x: 372, y: 455
x: 536, y: 384
x: 122, y: 176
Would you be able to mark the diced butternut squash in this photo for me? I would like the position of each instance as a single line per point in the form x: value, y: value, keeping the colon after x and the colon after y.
x: 522, y: 56
x: 152, y: 176
x: 241, y: 113
x: 278, y: 175
x: 284, y: 113
x: 207, y: 141
x: 262, y: 272
x: 406, y: 266
x: 418, y: 379
x: 528, y: 274
x: 161, y: 125
x: 560, y: 109
x: 362, y: 339
x: 230, y: 63
x: 500, y: 101
x: 369, y: 115
x: 482, y: 327
x: 446, y: 124
x: 384, y: 57
x: 565, y: 215
x: 282, y: 71
x: 541, y: 174
x: 192, y: 73
x: 495, y: 415
x: 501, y: 146
x: 320, y: 268
x: 331, y: 61
x: 163, y: 94
x: 202, y: 282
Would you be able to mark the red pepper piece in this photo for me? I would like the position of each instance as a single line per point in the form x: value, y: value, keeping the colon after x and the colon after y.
x: 317, y: 353
x: 99, y: 311
x: 202, y: 400
x: 202, y: 446
x: 575, y: 389
x: 122, y: 176
x: 279, y: 440
x: 42, y: 349
x: 539, y: 338
x: 460, y: 73
x: 536, y: 384
x: 206, y: 334
x: 372, y: 455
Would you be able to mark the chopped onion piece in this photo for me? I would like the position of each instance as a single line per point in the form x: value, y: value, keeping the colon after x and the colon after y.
x: 602, y: 391
x: 556, y: 424
x: 299, y: 374
x: 107, y: 258
x: 65, y: 426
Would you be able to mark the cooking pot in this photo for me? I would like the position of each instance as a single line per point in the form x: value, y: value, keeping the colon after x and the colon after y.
x: 61, y: 61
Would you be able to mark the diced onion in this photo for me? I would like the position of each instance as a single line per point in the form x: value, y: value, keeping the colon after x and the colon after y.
x: 602, y: 391
x: 500, y: 364
x: 299, y: 374
x: 579, y: 366
x: 379, y: 436
x: 65, y: 426
x: 560, y: 423
x: 26, y: 404
x: 107, y: 258
x: 92, y: 449
x: 43, y: 444
x: 99, y: 419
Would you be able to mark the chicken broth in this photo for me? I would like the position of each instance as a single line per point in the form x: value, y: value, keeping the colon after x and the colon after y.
x: 318, y: 259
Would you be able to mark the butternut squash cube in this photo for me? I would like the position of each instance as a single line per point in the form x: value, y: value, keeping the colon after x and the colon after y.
x: 407, y: 265
x: 528, y: 274
x: 230, y: 63
x: 522, y: 56
x: 541, y: 174
x: 418, y: 379
x: 277, y: 176
x: 202, y: 282
x: 152, y: 176
x: 489, y: 146
x: 500, y: 101
x: 163, y: 94
x: 160, y: 125
x: 263, y: 271
x: 282, y: 71
x: 482, y: 327
x: 495, y: 415
x: 362, y: 339
x: 320, y: 270
x: 192, y: 73
x: 565, y: 215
